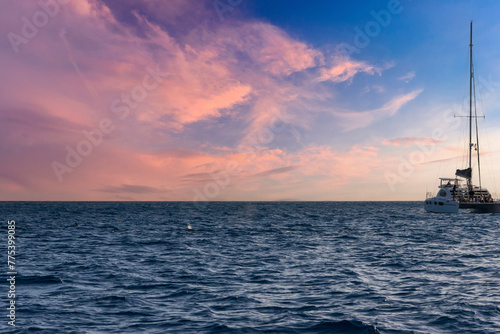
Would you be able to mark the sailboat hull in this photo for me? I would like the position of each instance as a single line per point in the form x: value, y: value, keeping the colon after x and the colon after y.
x: 482, y: 207
x: 442, y: 203
x: 440, y: 206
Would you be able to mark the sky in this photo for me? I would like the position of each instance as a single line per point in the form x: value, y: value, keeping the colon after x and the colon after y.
x: 246, y: 100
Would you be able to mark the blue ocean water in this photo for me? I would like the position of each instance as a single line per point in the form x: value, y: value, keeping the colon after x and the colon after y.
x: 252, y: 267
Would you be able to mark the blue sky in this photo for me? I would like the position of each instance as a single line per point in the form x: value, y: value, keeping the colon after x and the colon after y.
x: 356, y: 126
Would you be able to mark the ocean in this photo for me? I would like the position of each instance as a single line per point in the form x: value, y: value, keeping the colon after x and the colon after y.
x: 249, y: 267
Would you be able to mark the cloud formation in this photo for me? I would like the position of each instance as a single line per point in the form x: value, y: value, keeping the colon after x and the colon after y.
x: 357, y: 120
x: 183, y: 91
x: 407, y: 77
x: 344, y: 69
x: 411, y: 141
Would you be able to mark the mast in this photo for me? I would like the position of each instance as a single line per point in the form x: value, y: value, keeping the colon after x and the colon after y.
x: 470, y: 109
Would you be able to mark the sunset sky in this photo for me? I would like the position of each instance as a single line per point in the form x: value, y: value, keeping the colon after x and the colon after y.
x: 242, y: 99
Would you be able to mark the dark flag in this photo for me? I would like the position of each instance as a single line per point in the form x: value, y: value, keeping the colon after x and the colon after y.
x: 466, y: 173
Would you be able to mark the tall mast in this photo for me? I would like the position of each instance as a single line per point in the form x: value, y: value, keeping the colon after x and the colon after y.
x: 470, y: 105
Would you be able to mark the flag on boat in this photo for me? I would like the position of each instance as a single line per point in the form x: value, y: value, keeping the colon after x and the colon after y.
x: 466, y: 173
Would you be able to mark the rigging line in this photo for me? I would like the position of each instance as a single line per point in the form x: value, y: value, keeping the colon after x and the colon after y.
x: 477, y: 132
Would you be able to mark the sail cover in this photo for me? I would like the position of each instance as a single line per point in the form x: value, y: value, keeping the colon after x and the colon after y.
x: 467, y: 173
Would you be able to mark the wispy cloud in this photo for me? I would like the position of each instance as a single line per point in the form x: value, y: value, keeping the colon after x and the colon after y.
x: 356, y: 120
x: 344, y: 69
x: 130, y: 188
x: 276, y: 171
x: 411, y: 141
x: 377, y: 88
x: 227, y: 80
x: 407, y: 77
x: 460, y: 157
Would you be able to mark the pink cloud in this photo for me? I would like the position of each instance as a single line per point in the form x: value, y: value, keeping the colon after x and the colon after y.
x: 281, y: 54
x: 344, y: 69
x: 70, y: 75
x: 410, y: 141
x: 357, y: 120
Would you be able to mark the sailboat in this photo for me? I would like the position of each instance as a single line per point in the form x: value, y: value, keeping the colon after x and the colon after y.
x: 459, y: 192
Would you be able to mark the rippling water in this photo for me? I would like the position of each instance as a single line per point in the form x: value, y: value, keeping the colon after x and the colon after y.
x: 254, y: 267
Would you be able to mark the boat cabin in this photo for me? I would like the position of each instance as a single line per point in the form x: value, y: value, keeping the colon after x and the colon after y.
x: 460, y: 192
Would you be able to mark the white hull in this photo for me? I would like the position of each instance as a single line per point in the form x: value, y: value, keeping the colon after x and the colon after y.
x: 438, y: 205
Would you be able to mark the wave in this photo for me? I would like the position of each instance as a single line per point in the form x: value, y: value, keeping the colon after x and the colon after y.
x: 344, y: 327
x: 42, y: 279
